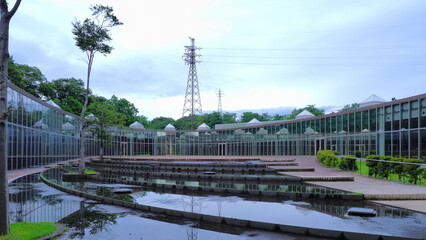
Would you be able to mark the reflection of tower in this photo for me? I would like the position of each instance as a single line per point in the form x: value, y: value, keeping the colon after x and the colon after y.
x: 192, y: 104
x: 219, y: 98
x: 191, y: 204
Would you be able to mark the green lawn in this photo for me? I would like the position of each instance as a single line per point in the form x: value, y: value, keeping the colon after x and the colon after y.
x: 29, y: 230
x: 363, y: 170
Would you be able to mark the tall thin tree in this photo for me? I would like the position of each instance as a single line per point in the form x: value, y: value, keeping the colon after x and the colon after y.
x: 92, y: 36
x: 5, y: 17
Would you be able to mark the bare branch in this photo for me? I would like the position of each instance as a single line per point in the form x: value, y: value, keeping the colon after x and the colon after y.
x: 14, y: 9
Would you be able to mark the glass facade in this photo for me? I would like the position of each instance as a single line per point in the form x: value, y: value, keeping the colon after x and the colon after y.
x: 39, y: 133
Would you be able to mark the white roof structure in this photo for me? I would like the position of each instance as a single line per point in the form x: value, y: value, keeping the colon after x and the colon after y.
x: 305, y: 114
x: 310, y: 130
x: 53, y: 103
x: 203, y: 126
x: 170, y: 127
x: 262, y: 131
x: 91, y: 117
x: 283, y: 131
x: 254, y: 121
x: 136, y: 125
x: 39, y: 124
x: 372, y: 100
x: 68, y: 127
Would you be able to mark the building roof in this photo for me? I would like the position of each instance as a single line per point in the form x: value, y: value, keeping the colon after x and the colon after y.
x: 137, y: 125
x: 170, y: 127
x: 254, y: 121
x: 372, y: 100
x: 53, y: 103
x: 304, y: 114
x: 203, y: 126
x: 68, y: 127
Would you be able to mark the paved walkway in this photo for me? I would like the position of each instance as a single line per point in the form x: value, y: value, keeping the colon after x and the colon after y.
x: 373, y: 188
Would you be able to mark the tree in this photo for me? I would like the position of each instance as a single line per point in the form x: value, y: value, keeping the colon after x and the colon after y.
x: 248, y: 116
x: 189, y: 122
x: 5, y: 17
x: 92, y: 36
x: 125, y: 107
x: 348, y: 107
x: 311, y: 108
x: 160, y: 123
x: 30, y: 79
x: 105, y: 117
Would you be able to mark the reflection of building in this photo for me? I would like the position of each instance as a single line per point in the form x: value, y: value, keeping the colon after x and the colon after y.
x: 39, y: 133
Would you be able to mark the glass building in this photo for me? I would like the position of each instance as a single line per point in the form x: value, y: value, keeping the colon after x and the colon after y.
x: 41, y: 133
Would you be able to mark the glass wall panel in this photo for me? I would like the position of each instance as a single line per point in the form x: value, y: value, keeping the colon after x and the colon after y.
x: 422, y: 144
x: 423, y: 113
x: 396, y: 117
x: 404, y: 144
x: 404, y: 116
x: 414, y: 144
x: 388, y: 118
x: 414, y: 112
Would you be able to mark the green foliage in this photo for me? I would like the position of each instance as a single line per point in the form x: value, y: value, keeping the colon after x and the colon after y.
x: 383, y: 169
x: 348, y: 107
x: 29, y: 230
x: 30, y: 79
x: 372, y: 165
x: 311, y: 108
x: 248, y: 116
x: 348, y: 163
x: 189, y: 122
x: 92, y: 35
x: 126, y: 108
x: 160, y: 123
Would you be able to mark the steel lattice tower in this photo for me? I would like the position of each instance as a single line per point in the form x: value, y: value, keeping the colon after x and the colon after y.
x: 219, y: 103
x: 192, y: 104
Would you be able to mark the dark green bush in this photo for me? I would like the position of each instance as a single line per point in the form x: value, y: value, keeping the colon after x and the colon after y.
x: 384, y: 169
x: 398, y: 168
x: 372, y: 165
x: 413, y: 171
x: 348, y: 163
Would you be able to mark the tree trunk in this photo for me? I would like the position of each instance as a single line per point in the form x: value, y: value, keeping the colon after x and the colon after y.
x: 5, y: 17
x: 4, y: 195
x: 82, y: 116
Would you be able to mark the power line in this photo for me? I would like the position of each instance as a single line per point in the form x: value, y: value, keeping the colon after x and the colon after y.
x: 317, y: 57
x: 325, y: 64
x: 405, y: 46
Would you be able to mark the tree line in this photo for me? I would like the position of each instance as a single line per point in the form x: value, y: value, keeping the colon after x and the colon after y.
x: 69, y: 94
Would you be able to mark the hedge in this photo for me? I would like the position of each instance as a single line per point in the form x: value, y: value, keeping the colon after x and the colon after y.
x: 329, y: 158
x: 376, y: 168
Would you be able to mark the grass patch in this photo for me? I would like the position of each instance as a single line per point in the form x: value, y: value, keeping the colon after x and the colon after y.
x: 144, y: 155
x: 90, y: 171
x: 29, y: 230
x: 86, y: 171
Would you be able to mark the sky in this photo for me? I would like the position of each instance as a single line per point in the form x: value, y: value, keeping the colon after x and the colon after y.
x: 266, y: 56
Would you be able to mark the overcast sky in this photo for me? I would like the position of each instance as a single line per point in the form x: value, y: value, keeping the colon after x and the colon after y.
x: 264, y: 55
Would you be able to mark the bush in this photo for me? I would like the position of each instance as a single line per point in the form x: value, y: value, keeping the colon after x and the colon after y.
x: 372, y: 165
x: 348, y: 163
x: 413, y: 171
x: 384, y: 169
x: 398, y: 168
x: 326, y: 157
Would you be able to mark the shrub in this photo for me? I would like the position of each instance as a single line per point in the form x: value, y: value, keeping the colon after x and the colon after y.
x: 384, y: 169
x: 398, y: 168
x: 372, y: 165
x: 348, y: 163
x: 413, y: 171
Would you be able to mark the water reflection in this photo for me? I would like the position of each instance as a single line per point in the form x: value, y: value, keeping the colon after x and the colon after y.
x: 90, y: 221
x: 328, y: 214
x: 32, y: 201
